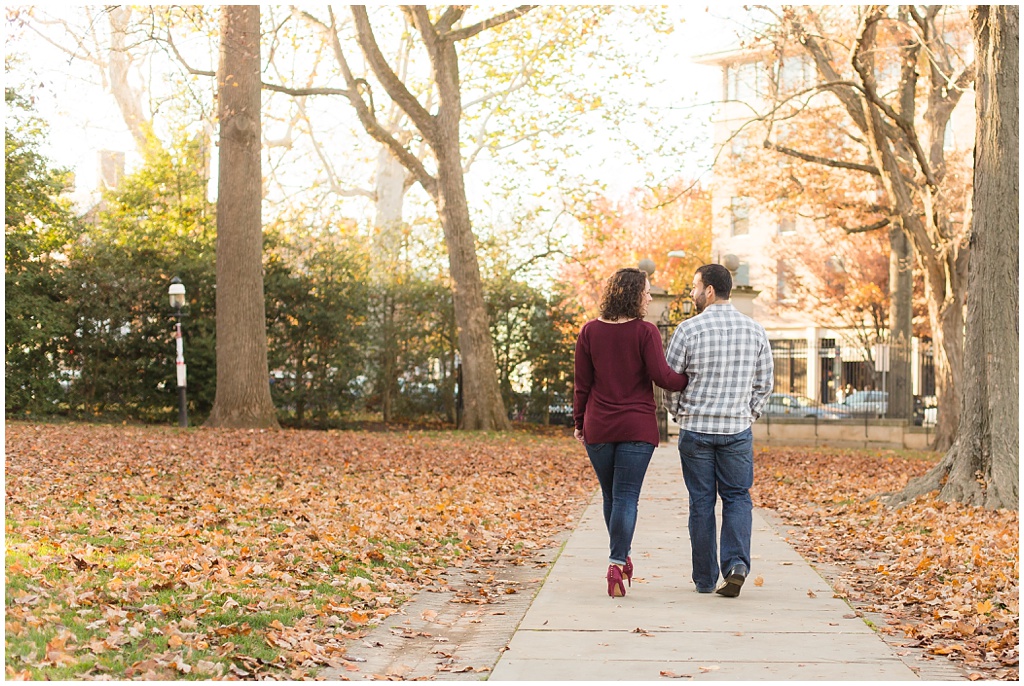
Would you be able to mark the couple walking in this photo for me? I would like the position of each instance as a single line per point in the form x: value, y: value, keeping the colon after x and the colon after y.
x: 719, y: 371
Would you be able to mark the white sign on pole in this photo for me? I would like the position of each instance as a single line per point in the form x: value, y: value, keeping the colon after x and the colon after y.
x: 881, y: 351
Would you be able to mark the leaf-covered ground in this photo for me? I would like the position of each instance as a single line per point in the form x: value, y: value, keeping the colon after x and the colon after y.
x: 150, y: 553
x: 143, y: 553
x: 945, y: 575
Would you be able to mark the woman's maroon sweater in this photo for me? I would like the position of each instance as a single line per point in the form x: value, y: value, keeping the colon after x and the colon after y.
x: 613, y: 400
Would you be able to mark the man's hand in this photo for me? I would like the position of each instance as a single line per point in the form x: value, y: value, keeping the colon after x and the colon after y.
x: 578, y: 435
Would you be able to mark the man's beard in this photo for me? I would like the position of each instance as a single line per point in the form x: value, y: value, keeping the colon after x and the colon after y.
x: 700, y: 302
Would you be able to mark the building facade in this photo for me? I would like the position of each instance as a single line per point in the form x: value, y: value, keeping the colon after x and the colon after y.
x: 815, y: 355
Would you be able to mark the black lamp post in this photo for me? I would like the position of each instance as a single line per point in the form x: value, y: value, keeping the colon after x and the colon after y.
x: 687, y: 307
x: 176, y: 293
x: 458, y: 390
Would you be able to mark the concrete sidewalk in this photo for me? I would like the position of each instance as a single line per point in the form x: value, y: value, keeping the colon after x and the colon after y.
x: 789, y: 627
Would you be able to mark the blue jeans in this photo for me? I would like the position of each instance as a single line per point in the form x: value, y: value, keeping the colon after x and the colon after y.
x: 620, y: 468
x: 718, y: 465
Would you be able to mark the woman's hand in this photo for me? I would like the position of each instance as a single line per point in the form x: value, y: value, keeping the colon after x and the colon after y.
x: 578, y: 435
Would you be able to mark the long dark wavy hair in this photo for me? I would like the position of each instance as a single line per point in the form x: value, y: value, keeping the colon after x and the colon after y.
x: 622, y: 294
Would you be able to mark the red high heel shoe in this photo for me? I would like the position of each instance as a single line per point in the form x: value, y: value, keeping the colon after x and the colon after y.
x: 627, y: 570
x: 615, y: 587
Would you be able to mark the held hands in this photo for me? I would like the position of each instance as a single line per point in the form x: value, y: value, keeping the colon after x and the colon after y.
x: 578, y: 435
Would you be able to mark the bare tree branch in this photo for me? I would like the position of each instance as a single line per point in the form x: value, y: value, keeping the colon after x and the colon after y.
x: 169, y: 40
x: 965, y: 78
x: 838, y: 164
x: 303, y: 92
x: 332, y: 178
x: 367, y: 117
x: 881, y: 224
x: 497, y: 20
x: 482, y: 130
x: 824, y: 64
x: 276, y: 88
x: 85, y: 54
x: 420, y: 18
x: 863, y: 67
x: 908, y: 79
x: 450, y: 17
x: 392, y: 84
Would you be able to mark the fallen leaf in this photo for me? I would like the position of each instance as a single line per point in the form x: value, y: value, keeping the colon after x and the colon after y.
x: 193, y: 534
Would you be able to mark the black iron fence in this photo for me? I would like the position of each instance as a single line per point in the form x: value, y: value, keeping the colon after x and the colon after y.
x: 832, y: 381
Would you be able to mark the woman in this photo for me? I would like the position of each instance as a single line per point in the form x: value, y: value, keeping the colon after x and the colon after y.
x: 618, y: 355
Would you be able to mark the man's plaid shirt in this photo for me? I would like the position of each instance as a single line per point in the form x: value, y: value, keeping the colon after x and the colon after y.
x: 729, y: 361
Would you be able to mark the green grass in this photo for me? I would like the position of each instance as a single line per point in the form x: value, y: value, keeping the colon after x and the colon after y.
x: 169, y: 532
x: 88, y: 625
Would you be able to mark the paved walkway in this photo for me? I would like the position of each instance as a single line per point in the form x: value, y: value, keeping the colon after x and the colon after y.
x: 788, y: 627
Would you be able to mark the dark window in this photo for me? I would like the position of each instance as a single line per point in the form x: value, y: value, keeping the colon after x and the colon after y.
x: 740, y: 217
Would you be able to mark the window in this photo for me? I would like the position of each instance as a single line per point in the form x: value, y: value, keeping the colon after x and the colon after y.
x: 887, y: 74
x: 740, y: 217
x: 783, y: 130
x: 787, y: 224
x: 796, y: 73
x: 746, y: 82
x: 781, y: 281
x: 948, y: 137
x: 738, y: 146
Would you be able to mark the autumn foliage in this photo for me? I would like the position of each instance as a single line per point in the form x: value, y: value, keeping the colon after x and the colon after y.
x: 152, y: 553
x: 646, y: 224
x: 945, y: 575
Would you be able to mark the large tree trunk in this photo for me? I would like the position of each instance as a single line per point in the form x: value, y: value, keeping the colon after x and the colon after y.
x: 901, y: 319
x: 945, y: 312
x: 243, y: 380
x: 483, y: 407
x: 982, y: 466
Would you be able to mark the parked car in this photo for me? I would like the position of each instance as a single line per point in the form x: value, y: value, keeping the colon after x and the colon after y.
x: 925, y: 410
x: 560, y: 413
x: 863, y: 403
x: 786, y: 405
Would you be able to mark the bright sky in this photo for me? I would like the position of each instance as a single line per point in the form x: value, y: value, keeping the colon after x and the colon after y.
x: 84, y: 119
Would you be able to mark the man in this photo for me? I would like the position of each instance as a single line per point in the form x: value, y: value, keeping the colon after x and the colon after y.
x: 729, y: 361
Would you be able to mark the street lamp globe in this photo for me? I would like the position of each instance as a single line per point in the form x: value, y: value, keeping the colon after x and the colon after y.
x: 176, y: 293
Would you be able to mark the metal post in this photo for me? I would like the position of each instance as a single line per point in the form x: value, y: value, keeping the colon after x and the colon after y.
x: 179, y: 364
x: 458, y: 390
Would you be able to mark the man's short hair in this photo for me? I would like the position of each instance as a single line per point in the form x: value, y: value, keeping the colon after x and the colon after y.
x: 718, y: 277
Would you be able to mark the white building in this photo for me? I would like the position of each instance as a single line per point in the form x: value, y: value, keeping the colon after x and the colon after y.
x: 813, y: 356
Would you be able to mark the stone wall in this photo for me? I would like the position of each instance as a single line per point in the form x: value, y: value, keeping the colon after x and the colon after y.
x: 848, y: 433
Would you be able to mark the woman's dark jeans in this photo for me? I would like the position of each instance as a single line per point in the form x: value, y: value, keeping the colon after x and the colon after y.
x: 620, y: 468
